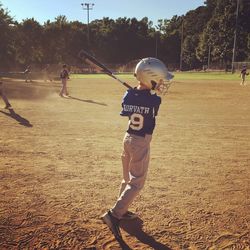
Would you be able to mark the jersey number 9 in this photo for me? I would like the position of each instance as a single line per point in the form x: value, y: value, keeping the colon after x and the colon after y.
x: 136, y: 121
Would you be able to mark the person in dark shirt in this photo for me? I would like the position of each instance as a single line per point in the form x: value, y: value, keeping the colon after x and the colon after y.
x: 141, y: 106
x: 243, y: 75
x: 27, y: 74
x: 64, y: 75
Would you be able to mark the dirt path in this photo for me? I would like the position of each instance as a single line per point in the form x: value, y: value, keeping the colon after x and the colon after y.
x: 60, y: 168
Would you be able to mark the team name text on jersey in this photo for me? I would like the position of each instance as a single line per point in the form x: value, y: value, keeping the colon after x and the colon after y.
x: 136, y: 109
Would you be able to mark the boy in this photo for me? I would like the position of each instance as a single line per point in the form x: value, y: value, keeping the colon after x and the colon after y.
x: 243, y: 74
x: 4, y: 97
x: 27, y: 74
x: 141, y: 106
x: 64, y: 75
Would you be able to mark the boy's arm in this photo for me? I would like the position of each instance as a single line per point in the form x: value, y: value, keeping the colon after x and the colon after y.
x: 157, y: 106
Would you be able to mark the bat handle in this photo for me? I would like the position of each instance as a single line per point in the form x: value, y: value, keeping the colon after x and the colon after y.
x: 126, y: 85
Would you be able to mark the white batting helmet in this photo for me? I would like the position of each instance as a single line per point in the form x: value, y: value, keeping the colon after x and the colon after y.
x: 154, y: 74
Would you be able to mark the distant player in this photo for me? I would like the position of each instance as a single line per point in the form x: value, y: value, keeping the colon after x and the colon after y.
x: 243, y: 75
x: 141, y: 106
x: 27, y: 74
x: 64, y: 75
x: 4, y: 97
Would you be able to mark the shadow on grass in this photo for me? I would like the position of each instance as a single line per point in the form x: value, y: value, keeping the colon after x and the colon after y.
x: 22, y: 121
x: 89, y: 101
x: 135, y: 228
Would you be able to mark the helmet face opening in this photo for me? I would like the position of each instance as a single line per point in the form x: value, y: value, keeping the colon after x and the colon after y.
x: 154, y: 74
x: 154, y: 84
x: 162, y: 87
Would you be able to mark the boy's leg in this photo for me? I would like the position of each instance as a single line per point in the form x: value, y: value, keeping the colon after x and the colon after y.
x: 62, y: 92
x: 125, y: 166
x: 7, y: 104
x: 139, y: 152
x: 66, y: 89
x: 241, y: 77
x: 65, y: 92
x: 30, y: 77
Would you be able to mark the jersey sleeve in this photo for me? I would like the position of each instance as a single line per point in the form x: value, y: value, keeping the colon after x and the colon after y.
x: 123, y: 111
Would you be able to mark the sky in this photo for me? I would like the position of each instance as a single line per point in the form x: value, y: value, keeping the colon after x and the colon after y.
x: 43, y: 10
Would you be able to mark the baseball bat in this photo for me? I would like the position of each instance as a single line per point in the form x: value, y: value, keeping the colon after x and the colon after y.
x: 94, y: 62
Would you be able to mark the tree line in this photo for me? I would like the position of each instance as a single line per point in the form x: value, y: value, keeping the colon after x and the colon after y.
x: 209, y: 32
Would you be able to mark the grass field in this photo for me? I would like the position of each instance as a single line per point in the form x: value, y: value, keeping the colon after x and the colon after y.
x: 60, y: 166
x: 178, y: 75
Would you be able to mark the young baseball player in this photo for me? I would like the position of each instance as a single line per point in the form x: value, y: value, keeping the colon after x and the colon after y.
x: 64, y: 75
x: 141, y: 106
x: 27, y: 74
x: 4, y: 97
x: 243, y: 74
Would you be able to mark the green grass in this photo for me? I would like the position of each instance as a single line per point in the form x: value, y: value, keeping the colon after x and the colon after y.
x: 178, y: 76
x: 99, y: 76
x: 206, y: 76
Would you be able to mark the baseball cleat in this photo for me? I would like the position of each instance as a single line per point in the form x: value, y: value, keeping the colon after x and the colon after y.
x: 112, y: 223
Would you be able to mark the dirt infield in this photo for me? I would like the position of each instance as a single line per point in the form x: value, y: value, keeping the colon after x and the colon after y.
x: 60, y: 168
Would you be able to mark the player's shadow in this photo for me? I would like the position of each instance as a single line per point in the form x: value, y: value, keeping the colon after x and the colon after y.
x: 123, y: 244
x: 135, y: 228
x: 90, y: 101
x: 18, y: 118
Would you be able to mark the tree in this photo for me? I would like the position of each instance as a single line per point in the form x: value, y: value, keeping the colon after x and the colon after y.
x: 207, y: 29
x: 170, y: 44
x: 124, y: 39
x: 219, y: 32
x: 29, y: 42
x: 7, y: 48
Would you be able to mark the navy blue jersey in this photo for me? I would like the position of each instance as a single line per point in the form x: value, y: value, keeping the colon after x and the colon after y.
x: 141, y: 107
x: 27, y: 71
x: 64, y: 74
x: 244, y: 71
